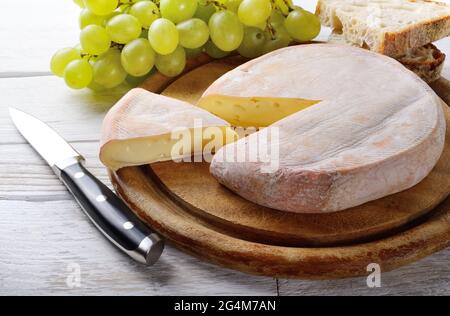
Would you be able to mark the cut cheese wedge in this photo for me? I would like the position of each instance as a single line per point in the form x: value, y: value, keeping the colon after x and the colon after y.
x: 144, y: 128
x: 251, y: 111
x: 379, y: 129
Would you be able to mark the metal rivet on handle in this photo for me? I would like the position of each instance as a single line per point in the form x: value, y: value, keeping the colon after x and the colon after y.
x: 101, y: 198
x: 79, y: 175
x: 128, y: 225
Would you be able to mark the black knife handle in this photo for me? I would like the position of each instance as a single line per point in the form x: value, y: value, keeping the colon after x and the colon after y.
x: 111, y: 215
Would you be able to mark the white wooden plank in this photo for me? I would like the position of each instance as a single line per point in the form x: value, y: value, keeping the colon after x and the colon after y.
x: 40, y: 241
x: 75, y: 114
x: 25, y: 176
x: 31, y: 31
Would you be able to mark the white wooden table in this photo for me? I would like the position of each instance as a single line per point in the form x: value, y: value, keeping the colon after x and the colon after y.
x: 46, y: 242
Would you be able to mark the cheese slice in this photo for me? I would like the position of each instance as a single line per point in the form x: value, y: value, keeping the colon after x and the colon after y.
x: 379, y: 129
x: 144, y: 128
x: 251, y: 111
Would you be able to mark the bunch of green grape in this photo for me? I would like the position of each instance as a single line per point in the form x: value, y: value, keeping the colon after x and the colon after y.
x: 125, y: 40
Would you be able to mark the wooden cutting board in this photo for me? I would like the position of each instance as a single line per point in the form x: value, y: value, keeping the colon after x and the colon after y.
x: 184, y: 203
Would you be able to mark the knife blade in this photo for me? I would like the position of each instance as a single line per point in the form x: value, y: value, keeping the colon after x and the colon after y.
x: 105, y: 209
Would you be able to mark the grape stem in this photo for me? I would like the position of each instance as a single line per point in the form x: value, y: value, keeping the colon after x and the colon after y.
x: 217, y: 4
x: 127, y: 3
x: 289, y: 5
x: 119, y: 46
x: 286, y: 7
x: 113, y: 44
x: 89, y: 56
x: 271, y: 30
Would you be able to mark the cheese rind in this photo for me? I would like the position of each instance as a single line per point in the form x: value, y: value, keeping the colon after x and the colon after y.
x: 144, y: 128
x: 252, y: 111
x: 379, y: 129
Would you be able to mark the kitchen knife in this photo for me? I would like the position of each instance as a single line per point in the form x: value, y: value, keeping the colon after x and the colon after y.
x: 109, y: 213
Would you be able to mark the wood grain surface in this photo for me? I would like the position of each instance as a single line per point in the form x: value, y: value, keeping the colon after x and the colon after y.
x: 43, y: 233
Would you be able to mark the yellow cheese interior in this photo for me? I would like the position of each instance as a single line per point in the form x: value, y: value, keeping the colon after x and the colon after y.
x: 253, y: 111
x: 146, y: 150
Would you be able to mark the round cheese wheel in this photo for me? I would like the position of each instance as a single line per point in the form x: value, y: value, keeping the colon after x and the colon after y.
x: 379, y: 129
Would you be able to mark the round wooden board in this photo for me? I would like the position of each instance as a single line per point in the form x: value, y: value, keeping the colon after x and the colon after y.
x: 187, y: 205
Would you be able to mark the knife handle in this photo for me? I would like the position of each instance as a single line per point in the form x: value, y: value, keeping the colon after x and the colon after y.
x: 111, y: 215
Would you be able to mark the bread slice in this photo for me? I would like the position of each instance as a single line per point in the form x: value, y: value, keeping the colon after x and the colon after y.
x: 389, y: 27
x: 427, y: 61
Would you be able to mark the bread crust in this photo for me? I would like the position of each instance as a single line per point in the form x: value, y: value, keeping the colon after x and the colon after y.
x: 398, y: 43
x: 430, y: 69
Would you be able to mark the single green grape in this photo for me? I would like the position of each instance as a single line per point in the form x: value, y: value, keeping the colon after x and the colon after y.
x: 193, y: 33
x: 146, y: 12
x: 226, y: 30
x: 254, y: 12
x: 276, y: 19
x: 108, y: 70
x: 253, y: 43
x: 138, y: 57
x: 280, y: 39
x: 79, y: 3
x: 213, y: 51
x: 302, y: 25
x: 61, y: 58
x: 163, y: 36
x: 193, y: 52
x: 178, y: 10
x: 204, y: 12
x: 110, y: 16
x: 173, y: 64
x: 123, y: 28
x: 101, y: 7
x: 87, y: 18
x: 94, y: 40
x: 78, y: 74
